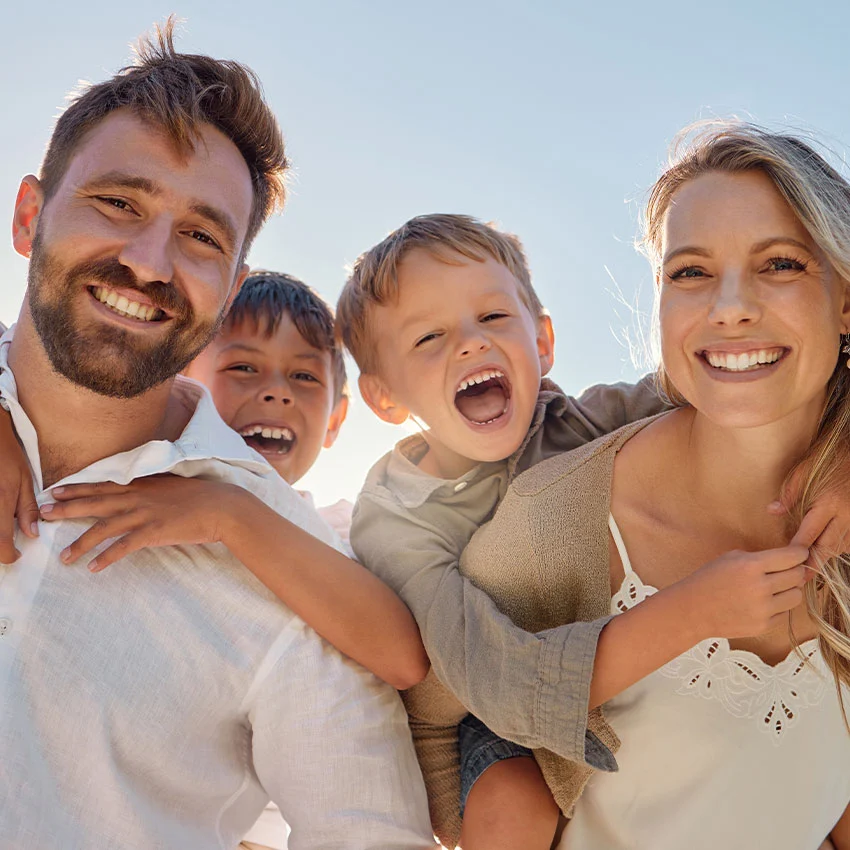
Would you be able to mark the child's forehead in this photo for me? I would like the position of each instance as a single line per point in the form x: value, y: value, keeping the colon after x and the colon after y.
x: 257, y: 335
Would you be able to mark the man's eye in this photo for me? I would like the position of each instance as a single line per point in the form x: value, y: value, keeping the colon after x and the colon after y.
x: 203, y: 238
x: 116, y: 203
x: 245, y: 368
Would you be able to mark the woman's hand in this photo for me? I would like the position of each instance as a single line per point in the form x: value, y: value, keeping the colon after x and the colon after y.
x: 17, y: 498
x: 741, y: 594
x: 161, y: 510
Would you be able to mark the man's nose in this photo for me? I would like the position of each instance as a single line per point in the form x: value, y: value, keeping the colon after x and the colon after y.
x: 735, y: 301
x: 148, y: 251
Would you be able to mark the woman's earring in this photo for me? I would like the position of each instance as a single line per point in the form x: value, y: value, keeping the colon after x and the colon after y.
x: 845, y: 349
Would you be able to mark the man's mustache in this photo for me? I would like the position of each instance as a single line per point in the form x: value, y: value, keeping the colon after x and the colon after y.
x: 111, y: 272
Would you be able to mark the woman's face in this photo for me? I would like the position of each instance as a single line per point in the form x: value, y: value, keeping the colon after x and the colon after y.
x: 751, y: 311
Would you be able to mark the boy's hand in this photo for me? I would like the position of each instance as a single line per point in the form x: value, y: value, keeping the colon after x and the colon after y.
x: 161, y: 510
x: 741, y: 594
x: 17, y: 498
x: 827, y: 524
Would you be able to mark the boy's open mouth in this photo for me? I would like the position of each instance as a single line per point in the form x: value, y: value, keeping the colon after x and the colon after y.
x: 266, y: 439
x: 483, y: 397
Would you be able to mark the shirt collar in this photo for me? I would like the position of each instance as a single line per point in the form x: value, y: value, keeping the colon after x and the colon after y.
x: 413, y: 487
x: 205, y: 437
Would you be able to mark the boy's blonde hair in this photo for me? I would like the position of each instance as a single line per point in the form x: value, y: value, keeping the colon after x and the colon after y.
x: 374, y: 278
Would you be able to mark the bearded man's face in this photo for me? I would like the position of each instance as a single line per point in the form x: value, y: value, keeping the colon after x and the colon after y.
x: 137, y: 254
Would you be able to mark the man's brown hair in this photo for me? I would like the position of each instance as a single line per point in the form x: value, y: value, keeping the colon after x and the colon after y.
x: 179, y: 92
x: 374, y: 278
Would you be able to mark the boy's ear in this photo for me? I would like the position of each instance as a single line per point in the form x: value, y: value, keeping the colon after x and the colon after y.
x: 28, y: 206
x: 545, y: 343
x: 376, y: 394
x: 337, y: 417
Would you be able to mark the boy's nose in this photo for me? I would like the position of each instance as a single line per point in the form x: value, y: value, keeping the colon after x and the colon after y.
x: 279, y: 391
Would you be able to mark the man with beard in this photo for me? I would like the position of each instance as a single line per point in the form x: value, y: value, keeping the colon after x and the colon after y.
x: 160, y: 704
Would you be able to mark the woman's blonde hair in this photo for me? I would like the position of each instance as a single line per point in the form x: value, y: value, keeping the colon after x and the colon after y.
x: 820, y: 197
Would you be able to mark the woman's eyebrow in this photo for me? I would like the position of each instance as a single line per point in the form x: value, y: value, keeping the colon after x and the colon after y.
x: 687, y: 249
x: 779, y: 240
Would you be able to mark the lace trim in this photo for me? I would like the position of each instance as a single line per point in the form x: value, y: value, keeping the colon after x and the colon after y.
x: 742, y: 682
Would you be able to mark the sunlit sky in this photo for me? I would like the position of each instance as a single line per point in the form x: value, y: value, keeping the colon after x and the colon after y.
x: 551, y: 118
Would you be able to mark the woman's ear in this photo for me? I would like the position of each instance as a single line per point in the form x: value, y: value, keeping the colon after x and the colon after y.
x: 376, y: 394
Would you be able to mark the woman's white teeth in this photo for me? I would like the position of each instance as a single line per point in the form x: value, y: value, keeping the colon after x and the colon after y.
x: 479, y: 378
x: 745, y: 360
x: 122, y: 305
x: 268, y: 433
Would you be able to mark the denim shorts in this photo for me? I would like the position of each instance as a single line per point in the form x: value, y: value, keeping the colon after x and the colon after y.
x: 479, y: 749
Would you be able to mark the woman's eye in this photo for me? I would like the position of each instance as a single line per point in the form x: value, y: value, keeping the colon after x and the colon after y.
x: 785, y: 264
x: 687, y: 273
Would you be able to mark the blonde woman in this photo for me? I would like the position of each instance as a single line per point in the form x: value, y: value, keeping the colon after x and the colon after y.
x: 741, y: 743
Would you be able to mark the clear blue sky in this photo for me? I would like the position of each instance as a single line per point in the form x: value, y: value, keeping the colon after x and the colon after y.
x: 549, y: 117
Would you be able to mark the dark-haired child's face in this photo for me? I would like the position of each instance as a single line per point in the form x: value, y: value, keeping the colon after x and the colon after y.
x: 277, y: 392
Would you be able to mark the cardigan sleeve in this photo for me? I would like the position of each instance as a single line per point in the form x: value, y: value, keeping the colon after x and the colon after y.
x: 529, y: 687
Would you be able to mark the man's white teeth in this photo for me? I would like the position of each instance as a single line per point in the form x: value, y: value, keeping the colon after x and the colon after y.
x: 122, y: 305
x: 479, y: 378
x: 268, y: 433
x: 743, y: 361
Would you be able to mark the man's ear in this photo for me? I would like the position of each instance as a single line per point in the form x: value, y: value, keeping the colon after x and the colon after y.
x: 376, y: 394
x: 28, y: 206
x: 545, y: 343
x: 337, y: 417
x: 237, y: 285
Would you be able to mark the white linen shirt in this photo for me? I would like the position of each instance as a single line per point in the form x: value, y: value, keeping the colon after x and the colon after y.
x: 160, y: 704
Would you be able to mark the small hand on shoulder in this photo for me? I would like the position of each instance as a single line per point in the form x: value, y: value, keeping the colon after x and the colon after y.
x: 17, y: 496
x: 161, y: 510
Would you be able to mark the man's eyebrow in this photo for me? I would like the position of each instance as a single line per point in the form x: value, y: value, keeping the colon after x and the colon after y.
x: 217, y: 217
x: 122, y: 180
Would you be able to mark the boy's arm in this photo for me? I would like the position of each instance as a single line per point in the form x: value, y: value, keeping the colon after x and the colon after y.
x: 530, y: 688
x: 17, y: 498
x: 840, y: 834
x: 336, y: 596
x: 537, y: 689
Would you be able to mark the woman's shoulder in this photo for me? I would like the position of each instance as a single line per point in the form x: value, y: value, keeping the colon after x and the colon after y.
x: 590, y: 465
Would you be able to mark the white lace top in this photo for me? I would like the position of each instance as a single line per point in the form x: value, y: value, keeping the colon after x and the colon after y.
x: 719, y: 750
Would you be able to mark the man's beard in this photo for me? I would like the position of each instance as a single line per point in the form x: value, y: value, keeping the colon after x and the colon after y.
x: 109, y: 360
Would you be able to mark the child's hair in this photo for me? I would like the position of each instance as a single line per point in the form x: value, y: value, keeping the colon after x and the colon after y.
x: 178, y: 93
x: 820, y: 198
x: 374, y: 278
x: 266, y: 296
